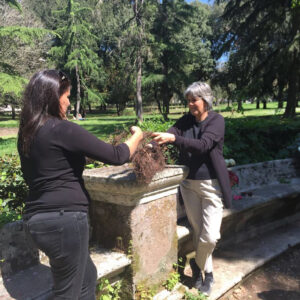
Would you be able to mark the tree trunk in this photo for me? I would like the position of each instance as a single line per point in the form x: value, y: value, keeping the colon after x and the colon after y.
x: 166, y: 94
x: 290, y: 109
x: 240, y: 105
x: 294, y: 72
x: 82, y: 111
x: 228, y: 102
x: 137, y: 9
x: 166, y: 110
x: 264, y: 104
x: 118, y: 109
x: 13, y: 112
x: 139, y: 102
x: 158, y: 102
x: 280, y: 93
x: 257, y: 104
x: 78, y: 100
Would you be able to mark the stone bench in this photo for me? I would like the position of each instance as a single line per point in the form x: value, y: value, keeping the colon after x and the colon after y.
x: 270, y: 194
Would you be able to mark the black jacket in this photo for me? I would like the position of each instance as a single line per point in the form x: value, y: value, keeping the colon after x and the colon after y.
x: 209, y: 143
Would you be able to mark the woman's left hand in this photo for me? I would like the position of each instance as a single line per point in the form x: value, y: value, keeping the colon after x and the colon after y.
x: 163, y: 137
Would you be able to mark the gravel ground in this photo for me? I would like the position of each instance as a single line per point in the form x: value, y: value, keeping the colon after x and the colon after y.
x: 8, y: 131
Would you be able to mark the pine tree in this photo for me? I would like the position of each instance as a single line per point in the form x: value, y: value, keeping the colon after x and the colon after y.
x: 180, y: 52
x: 265, y: 37
x: 75, y: 51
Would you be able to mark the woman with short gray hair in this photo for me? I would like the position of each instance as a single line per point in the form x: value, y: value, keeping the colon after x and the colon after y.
x: 201, y: 90
x: 199, y: 136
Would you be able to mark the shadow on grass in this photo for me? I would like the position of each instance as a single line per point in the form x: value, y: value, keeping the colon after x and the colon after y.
x: 4, y: 142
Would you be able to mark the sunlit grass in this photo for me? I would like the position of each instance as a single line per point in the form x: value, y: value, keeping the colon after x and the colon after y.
x: 106, y: 124
x: 8, y: 123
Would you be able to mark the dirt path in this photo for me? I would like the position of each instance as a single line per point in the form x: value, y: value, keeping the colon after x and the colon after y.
x: 8, y: 131
x: 277, y: 280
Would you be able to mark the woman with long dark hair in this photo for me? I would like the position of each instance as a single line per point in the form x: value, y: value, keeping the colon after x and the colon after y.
x: 52, y: 152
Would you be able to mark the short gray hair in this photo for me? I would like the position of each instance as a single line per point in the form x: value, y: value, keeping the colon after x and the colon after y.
x: 202, y: 90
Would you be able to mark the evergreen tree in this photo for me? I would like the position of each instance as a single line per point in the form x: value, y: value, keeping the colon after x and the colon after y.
x: 113, y: 26
x: 180, y: 52
x: 75, y: 51
x: 265, y: 37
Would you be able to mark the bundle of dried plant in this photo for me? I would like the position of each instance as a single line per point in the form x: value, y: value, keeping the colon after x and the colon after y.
x: 148, y: 158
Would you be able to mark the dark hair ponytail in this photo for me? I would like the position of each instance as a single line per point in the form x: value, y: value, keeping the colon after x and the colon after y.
x: 40, y: 102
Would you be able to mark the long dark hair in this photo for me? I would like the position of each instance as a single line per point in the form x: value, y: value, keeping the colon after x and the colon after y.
x: 40, y: 102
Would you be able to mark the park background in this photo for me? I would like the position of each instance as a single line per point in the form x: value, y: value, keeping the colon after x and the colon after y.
x: 130, y: 62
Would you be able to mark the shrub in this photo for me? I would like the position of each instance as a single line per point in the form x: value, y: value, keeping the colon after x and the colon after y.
x: 252, y: 140
x: 158, y: 124
x: 13, y: 189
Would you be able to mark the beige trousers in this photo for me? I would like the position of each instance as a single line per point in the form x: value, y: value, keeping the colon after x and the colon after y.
x: 204, y: 209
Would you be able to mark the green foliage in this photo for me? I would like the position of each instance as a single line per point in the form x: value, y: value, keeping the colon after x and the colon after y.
x: 14, y: 4
x: 251, y: 140
x: 76, y: 51
x: 12, y: 85
x: 24, y: 34
x: 180, y: 50
x: 7, y: 215
x: 294, y: 148
x: 172, y: 280
x: 174, y: 276
x: 8, y: 145
x: 16, y: 44
x: 262, y: 63
x: 108, y: 291
x: 94, y: 165
x: 295, y: 3
x: 143, y: 293
x: 191, y: 296
x: 157, y: 124
x: 13, y: 189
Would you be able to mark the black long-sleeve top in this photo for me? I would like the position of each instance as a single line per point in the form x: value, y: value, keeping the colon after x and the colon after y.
x: 53, y: 170
x: 201, y: 149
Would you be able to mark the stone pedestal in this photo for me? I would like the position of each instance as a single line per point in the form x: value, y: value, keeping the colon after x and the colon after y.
x: 139, y: 219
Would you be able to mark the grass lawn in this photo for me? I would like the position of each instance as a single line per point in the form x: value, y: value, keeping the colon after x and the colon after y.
x: 8, y: 145
x: 103, y: 125
x: 7, y: 122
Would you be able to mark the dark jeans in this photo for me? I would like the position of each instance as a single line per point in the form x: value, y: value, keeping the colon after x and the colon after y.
x: 64, y: 237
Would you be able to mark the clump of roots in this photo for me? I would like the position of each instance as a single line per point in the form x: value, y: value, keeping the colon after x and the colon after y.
x: 148, y: 158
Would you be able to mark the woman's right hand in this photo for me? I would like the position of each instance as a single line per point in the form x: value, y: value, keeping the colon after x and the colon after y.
x: 134, y: 140
x: 136, y: 130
